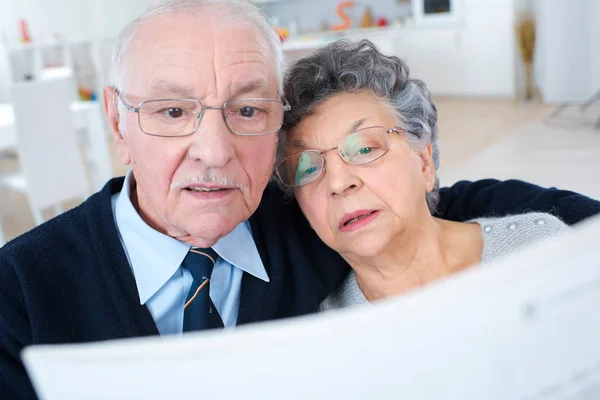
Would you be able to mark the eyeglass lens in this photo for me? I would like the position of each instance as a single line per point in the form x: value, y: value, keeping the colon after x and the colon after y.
x: 358, y: 148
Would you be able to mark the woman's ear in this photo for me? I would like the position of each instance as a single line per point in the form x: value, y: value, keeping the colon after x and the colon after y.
x: 427, y: 167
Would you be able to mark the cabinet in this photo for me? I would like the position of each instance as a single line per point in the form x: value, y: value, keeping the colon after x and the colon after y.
x: 473, y: 56
x: 451, y: 61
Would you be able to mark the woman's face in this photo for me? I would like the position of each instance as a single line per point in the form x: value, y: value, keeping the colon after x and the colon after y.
x: 361, y: 210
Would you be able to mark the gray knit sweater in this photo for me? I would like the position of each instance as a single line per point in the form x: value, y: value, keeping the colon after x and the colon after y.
x: 501, y: 236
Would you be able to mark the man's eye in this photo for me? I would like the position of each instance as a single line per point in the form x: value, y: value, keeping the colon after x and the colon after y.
x: 247, y: 112
x: 365, y: 150
x: 174, y: 112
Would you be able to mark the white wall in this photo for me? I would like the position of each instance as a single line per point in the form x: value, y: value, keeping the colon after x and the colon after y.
x: 110, y: 16
x: 568, y: 57
x: 46, y: 20
x: 477, y: 58
x: 594, y: 35
x: 72, y: 19
x: 489, y: 48
x: 474, y: 57
x: 63, y: 19
x: 8, y: 22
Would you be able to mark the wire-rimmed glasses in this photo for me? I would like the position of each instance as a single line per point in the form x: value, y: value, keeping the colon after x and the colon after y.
x: 182, y: 117
x: 358, y: 148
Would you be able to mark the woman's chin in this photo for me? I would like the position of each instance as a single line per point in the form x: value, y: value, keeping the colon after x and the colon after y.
x: 361, y: 248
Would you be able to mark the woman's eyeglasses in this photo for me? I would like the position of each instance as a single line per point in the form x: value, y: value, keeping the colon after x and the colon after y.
x: 358, y: 148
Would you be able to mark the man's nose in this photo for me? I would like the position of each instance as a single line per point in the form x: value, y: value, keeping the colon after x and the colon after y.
x: 213, y: 142
x: 340, y: 177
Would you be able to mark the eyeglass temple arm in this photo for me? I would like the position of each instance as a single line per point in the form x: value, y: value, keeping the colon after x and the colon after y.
x: 128, y: 106
x: 286, y: 104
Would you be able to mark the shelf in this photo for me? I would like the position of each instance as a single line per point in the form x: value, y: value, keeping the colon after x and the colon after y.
x: 316, y: 40
x: 85, y: 60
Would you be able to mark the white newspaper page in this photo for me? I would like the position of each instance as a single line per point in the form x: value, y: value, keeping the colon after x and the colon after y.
x: 525, y: 328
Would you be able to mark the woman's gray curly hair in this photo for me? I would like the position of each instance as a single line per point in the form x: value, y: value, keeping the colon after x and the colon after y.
x: 345, y: 66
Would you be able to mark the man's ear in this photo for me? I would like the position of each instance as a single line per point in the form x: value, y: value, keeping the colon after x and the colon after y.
x: 427, y: 166
x: 111, y: 108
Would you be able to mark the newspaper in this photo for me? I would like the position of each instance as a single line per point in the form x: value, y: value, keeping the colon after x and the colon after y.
x: 525, y: 328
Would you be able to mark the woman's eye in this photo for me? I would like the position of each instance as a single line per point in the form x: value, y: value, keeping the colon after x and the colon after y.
x: 365, y: 150
x: 310, y: 171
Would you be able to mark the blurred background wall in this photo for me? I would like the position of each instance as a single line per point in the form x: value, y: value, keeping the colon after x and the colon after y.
x: 472, y: 54
x: 509, y: 106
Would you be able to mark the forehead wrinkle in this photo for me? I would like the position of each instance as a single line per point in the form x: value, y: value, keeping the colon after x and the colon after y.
x: 229, y: 56
x: 258, y: 87
x: 241, y: 58
x: 166, y: 89
x: 215, y: 60
x: 254, y: 80
x: 158, y: 81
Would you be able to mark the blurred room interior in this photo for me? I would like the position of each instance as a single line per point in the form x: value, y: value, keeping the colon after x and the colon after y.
x: 516, y: 82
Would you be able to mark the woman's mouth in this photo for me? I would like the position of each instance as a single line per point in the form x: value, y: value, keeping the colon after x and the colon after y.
x: 356, y: 220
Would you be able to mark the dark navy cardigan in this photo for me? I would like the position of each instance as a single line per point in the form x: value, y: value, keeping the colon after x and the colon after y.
x: 69, y: 280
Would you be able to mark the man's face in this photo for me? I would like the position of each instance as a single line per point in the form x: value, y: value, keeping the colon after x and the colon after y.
x: 212, y: 59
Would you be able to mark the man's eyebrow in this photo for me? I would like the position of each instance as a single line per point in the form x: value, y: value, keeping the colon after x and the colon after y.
x: 164, y: 89
x: 258, y: 87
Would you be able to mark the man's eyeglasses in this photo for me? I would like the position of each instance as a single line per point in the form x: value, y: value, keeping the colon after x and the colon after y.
x: 181, y: 117
x: 358, y: 148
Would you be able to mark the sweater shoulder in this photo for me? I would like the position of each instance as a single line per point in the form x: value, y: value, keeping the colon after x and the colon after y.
x: 347, y: 295
x: 505, y: 235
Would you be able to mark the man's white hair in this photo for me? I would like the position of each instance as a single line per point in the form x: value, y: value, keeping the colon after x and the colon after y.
x: 238, y: 9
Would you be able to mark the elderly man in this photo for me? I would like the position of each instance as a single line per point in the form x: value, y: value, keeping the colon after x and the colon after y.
x: 193, y: 237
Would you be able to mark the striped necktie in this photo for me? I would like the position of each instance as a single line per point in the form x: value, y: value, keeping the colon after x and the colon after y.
x: 199, y: 312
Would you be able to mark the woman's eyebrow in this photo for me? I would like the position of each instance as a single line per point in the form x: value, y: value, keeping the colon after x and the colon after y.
x: 298, y: 144
x: 356, y: 125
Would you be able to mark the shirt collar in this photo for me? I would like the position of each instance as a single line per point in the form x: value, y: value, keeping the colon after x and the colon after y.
x: 154, y: 257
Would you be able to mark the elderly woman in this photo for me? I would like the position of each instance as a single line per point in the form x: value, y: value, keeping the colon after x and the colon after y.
x: 359, y: 153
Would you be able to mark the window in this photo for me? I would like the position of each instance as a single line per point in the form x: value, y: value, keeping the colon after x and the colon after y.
x: 436, y: 12
x: 436, y: 6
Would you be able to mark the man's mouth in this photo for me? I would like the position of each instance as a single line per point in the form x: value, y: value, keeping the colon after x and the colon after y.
x: 202, y: 189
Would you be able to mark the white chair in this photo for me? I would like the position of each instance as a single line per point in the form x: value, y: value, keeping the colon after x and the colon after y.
x: 94, y: 138
x: 52, y: 169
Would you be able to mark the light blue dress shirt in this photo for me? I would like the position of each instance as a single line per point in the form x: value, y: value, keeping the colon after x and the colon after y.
x: 163, y: 285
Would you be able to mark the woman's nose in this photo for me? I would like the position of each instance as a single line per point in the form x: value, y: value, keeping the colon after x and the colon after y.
x: 340, y: 177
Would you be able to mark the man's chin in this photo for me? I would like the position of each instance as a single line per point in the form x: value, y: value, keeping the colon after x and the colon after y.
x: 198, y: 242
x: 206, y: 235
